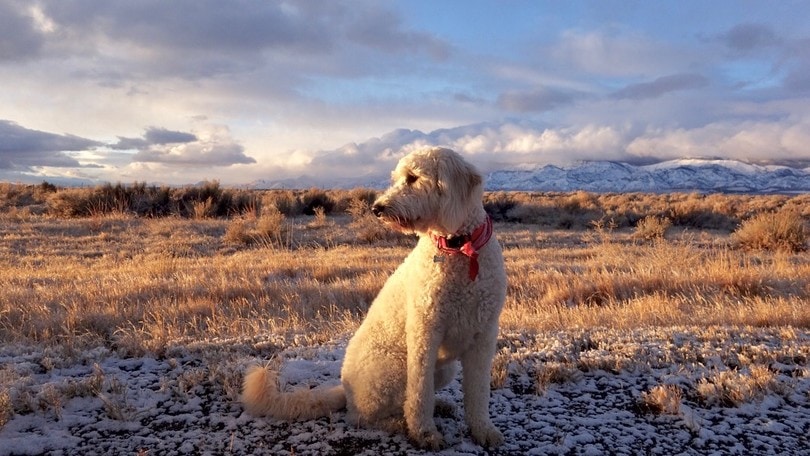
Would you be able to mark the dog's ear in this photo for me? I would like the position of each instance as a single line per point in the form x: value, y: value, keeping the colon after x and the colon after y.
x: 460, y: 188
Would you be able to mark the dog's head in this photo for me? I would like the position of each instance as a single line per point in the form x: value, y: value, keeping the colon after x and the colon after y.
x: 432, y: 190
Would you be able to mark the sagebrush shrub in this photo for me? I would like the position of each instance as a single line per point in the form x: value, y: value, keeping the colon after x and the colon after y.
x: 365, y: 225
x: 498, y: 204
x: 319, y: 220
x: 72, y: 202
x: 315, y: 198
x: 272, y: 225
x: 284, y: 201
x: 238, y: 233
x: 652, y: 227
x: 779, y: 231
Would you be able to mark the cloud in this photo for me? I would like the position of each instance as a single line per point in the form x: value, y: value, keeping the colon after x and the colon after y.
x: 154, y: 136
x: 744, y: 140
x: 489, y: 145
x: 661, y: 86
x: 503, y: 144
x: 384, y: 30
x: 538, y: 100
x: 196, y: 25
x: 213, y: 146
x: 797, y: 79
x: 23, y: 147
x: 202, y: 39
x: 19, y: 37
x: 614, y: 52
x: 744, y: 38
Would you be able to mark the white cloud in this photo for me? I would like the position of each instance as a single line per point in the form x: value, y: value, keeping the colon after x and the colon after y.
x: 747, y: 140
x: 212, y: 145
x: 617, y: 53
x: 494, y: 145
x: 288, y: 82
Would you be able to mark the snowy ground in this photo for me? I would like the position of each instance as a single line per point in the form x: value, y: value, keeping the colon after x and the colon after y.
x: 574, y: 392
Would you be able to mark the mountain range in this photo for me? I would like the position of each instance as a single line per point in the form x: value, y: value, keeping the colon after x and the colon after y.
x: 682, y: 175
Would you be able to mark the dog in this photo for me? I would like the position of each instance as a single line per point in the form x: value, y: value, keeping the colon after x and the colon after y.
x: 440, y: 306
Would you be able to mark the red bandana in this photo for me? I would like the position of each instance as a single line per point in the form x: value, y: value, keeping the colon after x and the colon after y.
x: 468, y: 244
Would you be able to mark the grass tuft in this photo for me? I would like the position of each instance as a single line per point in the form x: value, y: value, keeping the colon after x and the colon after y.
x: 662, y: 400
x: 778, y: 231
x: 652, y: 228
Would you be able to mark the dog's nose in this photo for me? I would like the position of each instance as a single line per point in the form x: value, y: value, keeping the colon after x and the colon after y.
x: 377, y: 209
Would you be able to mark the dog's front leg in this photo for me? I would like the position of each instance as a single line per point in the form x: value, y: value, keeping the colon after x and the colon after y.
x: 420, y: 398
x: 476, y: 366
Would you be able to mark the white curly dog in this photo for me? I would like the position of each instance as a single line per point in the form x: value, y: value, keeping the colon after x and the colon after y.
x: 441, y: 305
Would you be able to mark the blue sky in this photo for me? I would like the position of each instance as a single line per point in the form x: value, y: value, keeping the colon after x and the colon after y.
x: 239, y: 90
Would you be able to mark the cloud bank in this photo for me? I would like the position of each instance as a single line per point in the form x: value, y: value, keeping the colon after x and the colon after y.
x: 238, y: 90
x: 211, y: 146
x: 494, y: 146
x: 21, y: 148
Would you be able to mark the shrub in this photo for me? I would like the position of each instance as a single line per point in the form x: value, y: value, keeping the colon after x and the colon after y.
x: 16, y: 195
x: 320, y: 220
x: 72, y: 202
x: 779, y: 231
x: 284, y: 201
x: 498, y: 205
x: 345, y: 199
x: 153, y: 202
x: 238, y: 233
x: 202, y: 209
x: 272, y: 225
x: 652, y: 228
x: 315, y: 198
x: 365, y: 225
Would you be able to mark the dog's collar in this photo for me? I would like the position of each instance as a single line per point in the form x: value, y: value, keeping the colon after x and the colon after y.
x: 467, y: 244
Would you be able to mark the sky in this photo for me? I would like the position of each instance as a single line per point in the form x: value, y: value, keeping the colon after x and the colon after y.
x: 176, y: 92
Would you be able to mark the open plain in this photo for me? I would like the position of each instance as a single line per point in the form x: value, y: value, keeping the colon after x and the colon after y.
x: 640, y: 331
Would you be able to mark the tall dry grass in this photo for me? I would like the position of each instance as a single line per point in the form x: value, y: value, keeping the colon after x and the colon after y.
x: 614, y: 282
x: 134, y: 284
x: 141, y: 285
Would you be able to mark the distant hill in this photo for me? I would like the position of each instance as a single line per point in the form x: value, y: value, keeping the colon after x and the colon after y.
x: 686, y: 175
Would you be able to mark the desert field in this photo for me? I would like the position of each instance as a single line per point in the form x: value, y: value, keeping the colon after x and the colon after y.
x: 634, y: 324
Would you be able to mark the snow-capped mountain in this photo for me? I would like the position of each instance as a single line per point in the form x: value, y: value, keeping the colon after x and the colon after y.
x: 727, y: 176
x: 687, y: 175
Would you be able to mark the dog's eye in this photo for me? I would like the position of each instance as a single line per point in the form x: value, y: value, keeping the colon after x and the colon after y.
x: 411, y: 178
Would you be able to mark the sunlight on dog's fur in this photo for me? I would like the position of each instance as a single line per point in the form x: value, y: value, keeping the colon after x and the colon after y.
x: 440, y: 306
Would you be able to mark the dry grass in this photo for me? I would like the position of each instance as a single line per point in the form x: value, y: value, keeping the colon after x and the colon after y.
x: 554, y: 372
x: 610, y: 281
x: 652, y: 228
x: 139, y: 285
x: 732, y: 388
x: 662, y: 399
x: 134, y: 284
x: 782, y: 231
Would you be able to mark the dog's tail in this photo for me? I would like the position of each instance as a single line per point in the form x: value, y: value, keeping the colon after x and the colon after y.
x: 261, y: 396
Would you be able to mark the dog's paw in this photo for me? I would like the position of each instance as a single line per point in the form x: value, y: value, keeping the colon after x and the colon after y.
x: 429, y: 440
x: 487, y: 436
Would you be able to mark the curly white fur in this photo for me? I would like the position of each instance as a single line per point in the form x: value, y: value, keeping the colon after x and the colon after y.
x: 428, y: 315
